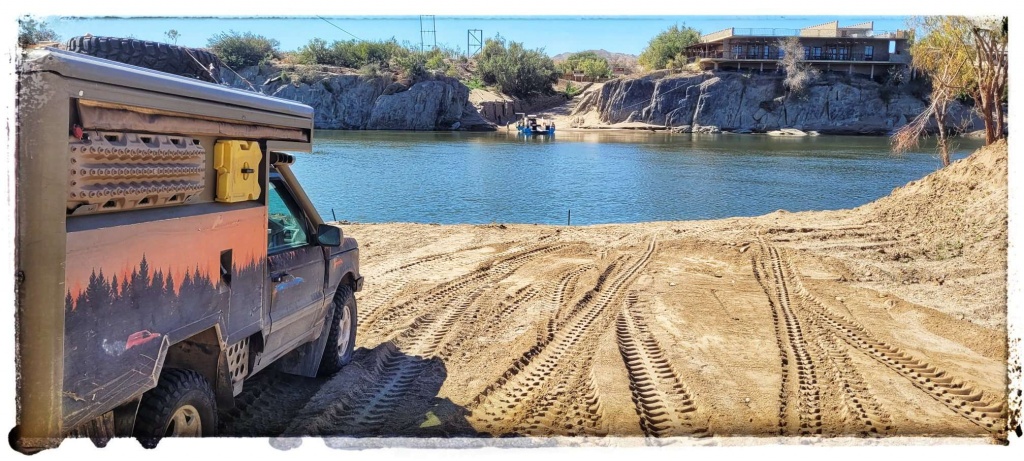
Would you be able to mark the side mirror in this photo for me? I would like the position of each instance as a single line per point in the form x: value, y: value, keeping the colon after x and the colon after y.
x: 328, y: 235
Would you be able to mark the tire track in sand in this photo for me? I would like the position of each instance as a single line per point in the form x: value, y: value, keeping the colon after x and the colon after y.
x: 663, y: 402
x: 382, y: 313
x: 961, y: 396
x: 397, y: 365
x: 534, y: 395
x: 837, y: 375
x: 795, y: 358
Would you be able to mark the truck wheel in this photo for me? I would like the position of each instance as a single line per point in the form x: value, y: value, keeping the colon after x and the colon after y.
x: 341, y: 341
x: 173, y: 59
x: 181, y: 405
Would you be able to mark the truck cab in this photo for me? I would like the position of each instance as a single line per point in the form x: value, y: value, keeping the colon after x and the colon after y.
x: 165, y: 251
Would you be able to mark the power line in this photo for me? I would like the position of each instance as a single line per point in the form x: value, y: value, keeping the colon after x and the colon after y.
x: 339, y: 28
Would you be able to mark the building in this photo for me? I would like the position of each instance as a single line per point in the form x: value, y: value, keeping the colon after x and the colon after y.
x: 855, y: 49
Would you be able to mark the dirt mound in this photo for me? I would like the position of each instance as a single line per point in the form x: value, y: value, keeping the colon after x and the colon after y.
x: 960, y: 210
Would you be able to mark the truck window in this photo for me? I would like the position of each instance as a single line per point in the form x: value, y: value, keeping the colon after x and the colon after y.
x: 285, y: 229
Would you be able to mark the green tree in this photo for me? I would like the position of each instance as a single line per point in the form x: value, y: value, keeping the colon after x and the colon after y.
x: 31, y: 31
x: 668, y: 46
x: 243, y: 49
x: 588, y: 62
x: 596, y: 68
x: 514, y: 69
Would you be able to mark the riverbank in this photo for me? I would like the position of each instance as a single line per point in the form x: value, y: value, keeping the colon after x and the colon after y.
x: 887, y: 319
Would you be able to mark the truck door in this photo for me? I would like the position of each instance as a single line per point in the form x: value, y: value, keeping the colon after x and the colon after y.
x: 295, y: 266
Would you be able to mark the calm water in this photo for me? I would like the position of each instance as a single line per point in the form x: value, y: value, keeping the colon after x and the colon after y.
x: 603, y: 177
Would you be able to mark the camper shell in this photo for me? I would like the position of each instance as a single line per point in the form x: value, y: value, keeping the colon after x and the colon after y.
x: 159, y: 227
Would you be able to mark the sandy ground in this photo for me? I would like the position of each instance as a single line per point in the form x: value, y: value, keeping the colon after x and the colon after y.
x: 880, y: 321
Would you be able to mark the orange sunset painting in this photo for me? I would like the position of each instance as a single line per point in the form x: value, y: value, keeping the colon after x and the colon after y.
x: 115, y: 276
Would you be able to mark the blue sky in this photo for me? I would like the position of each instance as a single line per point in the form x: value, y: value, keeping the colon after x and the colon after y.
x: 556, y: 34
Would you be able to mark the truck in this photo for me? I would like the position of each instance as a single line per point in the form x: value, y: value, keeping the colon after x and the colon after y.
x: 165, y: 252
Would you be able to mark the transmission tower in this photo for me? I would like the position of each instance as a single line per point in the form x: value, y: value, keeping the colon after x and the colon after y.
x: 474, y: 41
x: 428, y: 27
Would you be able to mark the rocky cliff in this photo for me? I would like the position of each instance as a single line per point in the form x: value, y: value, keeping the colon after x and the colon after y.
x: 348, y: 101
x: 733, y: 101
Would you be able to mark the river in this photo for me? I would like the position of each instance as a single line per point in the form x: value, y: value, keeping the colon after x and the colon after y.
x: 603, y: 177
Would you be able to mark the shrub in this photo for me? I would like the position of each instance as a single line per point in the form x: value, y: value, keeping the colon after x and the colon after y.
x: 588, y: 62
x: 410, y: 64
x: 371, y: 72
x: 351, y: 53
x: 571, y: 90
x: 243, y: 49
x: 514, y: 69
x: 31, y: 32
x: 316, y: 52
x: 667, y: 46
x: 474, y: 83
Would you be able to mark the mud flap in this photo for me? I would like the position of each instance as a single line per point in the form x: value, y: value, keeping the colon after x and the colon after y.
x: 305, y: 359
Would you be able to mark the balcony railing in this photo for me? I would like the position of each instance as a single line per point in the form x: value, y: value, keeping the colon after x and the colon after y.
x: 774, y: 55
x: 820, y: 33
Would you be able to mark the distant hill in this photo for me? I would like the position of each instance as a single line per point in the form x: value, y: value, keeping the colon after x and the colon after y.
x: 615, y: 59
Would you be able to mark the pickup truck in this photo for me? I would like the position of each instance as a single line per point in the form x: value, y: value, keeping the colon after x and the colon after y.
x: 165, y: 251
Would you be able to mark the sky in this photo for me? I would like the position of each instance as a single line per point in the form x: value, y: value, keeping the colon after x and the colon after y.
x: 555, y: 34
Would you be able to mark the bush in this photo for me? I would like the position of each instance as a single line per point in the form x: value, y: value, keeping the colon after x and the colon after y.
x: 371, y: 72
x: 668, y: 46
x: 351, y: 53
x: 515, y: 70
x: 588, y: 62
x: 410, y: 64
x: 243, y: 49
x: 571, y: 90
x: 474, y: 83
x: 31, y: 32
x: 317, y: 51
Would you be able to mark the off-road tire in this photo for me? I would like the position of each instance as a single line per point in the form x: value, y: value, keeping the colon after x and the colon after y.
x: 177, y: 388
x: 173, y: 59
x: 332, y: 360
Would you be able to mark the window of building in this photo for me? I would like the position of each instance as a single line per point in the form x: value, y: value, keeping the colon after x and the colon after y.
x: 737, y: 51
x: 869, y: 53
x: 807, y: 52
x: 816, y: 54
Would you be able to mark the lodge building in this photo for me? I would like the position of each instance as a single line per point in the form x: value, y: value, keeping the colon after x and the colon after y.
x: 854, y: 49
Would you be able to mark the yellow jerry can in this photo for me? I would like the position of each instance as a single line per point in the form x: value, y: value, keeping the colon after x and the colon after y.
x: 237, y: 164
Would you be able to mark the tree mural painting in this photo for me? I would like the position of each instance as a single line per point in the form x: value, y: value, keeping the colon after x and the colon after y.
x: 129, y: 288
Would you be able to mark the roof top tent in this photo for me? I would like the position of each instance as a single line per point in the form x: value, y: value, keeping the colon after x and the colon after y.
x: 102, y: 145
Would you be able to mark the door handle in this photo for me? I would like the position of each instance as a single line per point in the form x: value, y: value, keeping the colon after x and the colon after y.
x: 282, y: 277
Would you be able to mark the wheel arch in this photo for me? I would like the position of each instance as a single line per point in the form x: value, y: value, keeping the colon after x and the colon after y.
x: 206, y: 353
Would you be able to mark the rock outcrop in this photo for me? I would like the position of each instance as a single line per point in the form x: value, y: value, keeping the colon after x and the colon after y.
x: 732, y: 101
x: 348, y: 101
